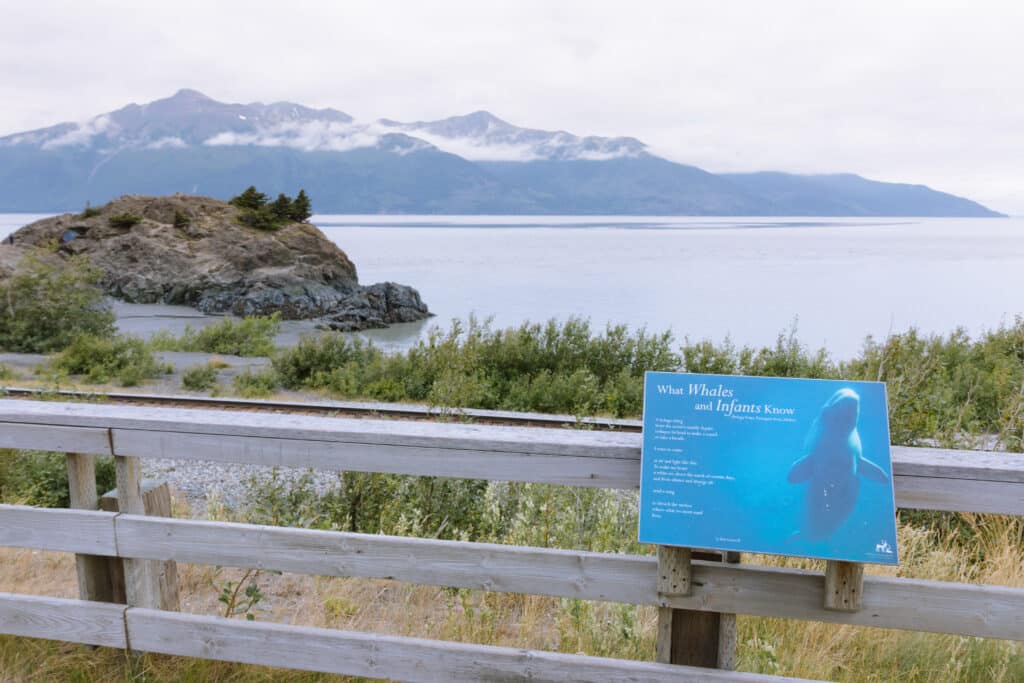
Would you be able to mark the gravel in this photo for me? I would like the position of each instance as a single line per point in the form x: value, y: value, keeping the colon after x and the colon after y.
x: 202, y: 482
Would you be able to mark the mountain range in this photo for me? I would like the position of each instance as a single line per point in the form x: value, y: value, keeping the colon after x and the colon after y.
x: 471, y: 164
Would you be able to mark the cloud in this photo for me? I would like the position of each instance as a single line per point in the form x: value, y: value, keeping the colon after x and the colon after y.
x: 167, y: 142
x: 477, y: 149
x: 308, y: 136
x: 82, y: 134
x: 509, y: 144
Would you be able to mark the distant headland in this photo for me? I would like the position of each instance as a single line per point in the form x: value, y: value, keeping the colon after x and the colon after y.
x: 471, y: 164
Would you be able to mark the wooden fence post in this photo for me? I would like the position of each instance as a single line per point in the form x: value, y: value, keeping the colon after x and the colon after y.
x: 692, y: 637
x: 156, y: 501
x: 844, y: 586
x: 141, y: 585
x: 93, y: 577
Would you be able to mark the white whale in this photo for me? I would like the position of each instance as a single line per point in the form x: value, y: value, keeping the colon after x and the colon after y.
x: 833, y: 464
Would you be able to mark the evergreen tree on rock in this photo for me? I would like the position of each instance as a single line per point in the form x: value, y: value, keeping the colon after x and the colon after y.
x: 302, y: 209
x: 282, y: 207
x: 250, y: 199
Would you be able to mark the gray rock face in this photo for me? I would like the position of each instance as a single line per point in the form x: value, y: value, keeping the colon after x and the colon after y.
x: 378, y: 305
x: 193, y: 251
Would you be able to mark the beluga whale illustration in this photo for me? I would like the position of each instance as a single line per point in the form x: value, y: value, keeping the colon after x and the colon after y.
x: 833, y: 464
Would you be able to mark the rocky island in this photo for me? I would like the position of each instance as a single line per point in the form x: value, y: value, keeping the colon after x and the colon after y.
x: 200, y: 252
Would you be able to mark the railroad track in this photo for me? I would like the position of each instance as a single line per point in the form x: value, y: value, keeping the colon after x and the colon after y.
x: 402, y: 411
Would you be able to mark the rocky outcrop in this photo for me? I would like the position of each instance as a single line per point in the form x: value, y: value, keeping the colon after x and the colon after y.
x: 194, y: 251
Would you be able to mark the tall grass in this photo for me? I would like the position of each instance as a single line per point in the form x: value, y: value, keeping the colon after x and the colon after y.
x: 775, y: 646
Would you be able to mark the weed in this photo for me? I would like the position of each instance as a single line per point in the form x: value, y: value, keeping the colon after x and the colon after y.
x: 236, y: 601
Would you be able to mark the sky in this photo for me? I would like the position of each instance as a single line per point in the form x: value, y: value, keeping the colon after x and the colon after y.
x: 922, y: 92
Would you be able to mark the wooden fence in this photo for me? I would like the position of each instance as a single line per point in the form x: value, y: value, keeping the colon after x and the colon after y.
x: 924, y: 478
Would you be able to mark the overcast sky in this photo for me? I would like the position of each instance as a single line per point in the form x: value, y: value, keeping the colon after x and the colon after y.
x: 926, y: 92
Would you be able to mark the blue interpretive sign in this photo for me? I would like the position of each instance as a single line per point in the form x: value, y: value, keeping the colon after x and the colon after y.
x: 768, y: 465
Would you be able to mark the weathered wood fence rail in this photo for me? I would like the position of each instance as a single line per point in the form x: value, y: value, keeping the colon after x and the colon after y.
x: 924, y: 478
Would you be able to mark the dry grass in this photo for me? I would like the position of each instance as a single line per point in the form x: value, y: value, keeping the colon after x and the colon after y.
x: 992, y: 554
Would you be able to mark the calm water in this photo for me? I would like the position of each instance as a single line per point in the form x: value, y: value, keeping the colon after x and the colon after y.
x: 842, y: 279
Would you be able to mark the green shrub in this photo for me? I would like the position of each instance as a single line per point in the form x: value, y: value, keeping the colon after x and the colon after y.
x: 124, y: 220
x: 181, y: 219
x: 88, y: 212
x: 311, y: 362
x: 40, y: 478
x: 433, y: 507
x: 124, y: 359
x: 557, y: 367
x: 371, y: 503
x: 46, y: 305
x: 251, y: 336
x: 257, y: 384
x: 200, y: 378
x: 950, y: 390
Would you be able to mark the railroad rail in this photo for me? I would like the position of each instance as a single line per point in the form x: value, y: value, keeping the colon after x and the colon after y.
x: 330, y: 408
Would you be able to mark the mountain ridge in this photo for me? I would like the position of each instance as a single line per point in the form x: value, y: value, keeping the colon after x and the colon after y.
x: 471, y: 163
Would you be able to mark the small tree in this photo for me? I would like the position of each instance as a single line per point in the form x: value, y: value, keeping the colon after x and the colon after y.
x: 257, y: 213
x: 301, y: 208
x: 250, y: 199
x: 282, y: 207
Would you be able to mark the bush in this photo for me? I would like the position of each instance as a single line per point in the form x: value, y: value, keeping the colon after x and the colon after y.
x: 556, y: 367
x: 101, y: 359
x: 200, y: 378
x: 257, y: 384
x: 948, y: 390
x: 251, y: 336
x: 311, y: 362
x: 124, y: 220
x: 46, y: 305
x: 88, y: 212
x: 464, y: 509
x: 40, y: 478
x: 182, y: 220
